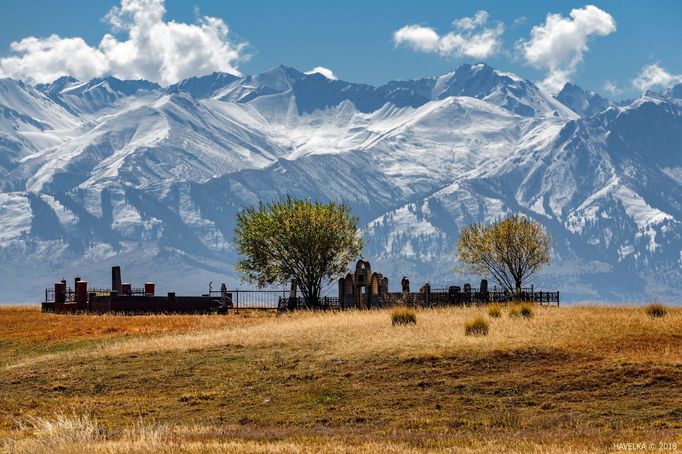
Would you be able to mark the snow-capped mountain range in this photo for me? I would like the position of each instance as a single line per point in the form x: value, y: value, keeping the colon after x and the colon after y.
x: 110, y: 172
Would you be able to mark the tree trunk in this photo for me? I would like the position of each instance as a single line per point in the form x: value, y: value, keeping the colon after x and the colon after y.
x: 312, y: 297
x: 518, y: 286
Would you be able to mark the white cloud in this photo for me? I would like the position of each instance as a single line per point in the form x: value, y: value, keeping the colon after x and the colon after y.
x: 163, y: 52
x: 419, y: 38
x: 655, y: 76
x: 612, y: 88
x: 558, y: 45
x: 326, y: 72
x: 45, y: 59
x: 470, y: 38
x: 519, y: 21
x: 471, y: 23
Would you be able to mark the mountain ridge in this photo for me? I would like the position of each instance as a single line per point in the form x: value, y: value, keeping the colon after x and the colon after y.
x: 95, y: 171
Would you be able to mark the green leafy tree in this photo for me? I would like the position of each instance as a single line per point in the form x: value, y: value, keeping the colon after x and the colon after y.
x: 511, y: 250
x: 311, y: 242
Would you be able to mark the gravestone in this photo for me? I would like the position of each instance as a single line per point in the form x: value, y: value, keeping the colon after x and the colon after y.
x: 405, y: 284
x: 426, y: 293
x: 384, y: 286
x: 454, y: 292
x: 362, y: 288
x: 483, y: 291
x: 116, y: 283
x: 349, y: 290
x: 292, y: 289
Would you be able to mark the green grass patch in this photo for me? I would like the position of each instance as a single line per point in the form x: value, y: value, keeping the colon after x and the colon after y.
x: 328, y: 396
x: 72, y: 346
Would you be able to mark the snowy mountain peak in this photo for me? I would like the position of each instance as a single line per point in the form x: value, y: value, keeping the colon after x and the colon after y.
x: 581, y: 101
x: 57, y: 86
x: 123, y: 172
x: 110, y: 84
x: 279, y: 78
x: 675, y: 92
x: 203, y: 86
x: 505, y: 90
x: 90, y: 97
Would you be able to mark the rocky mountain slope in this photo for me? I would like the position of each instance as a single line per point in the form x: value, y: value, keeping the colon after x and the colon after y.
x: 110, y: 172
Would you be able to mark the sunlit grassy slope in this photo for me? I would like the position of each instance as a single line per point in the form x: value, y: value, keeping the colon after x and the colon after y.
x: 575, y: 379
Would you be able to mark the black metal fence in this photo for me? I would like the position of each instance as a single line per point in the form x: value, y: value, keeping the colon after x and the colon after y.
x: 249, y: 299
x: 70, y: 294
x: 296, y: 303
x: 443, y: 296
x: 434, y: 298
x: 234, y: 300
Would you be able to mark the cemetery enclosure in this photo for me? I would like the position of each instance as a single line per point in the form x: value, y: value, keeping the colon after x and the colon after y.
x: 361, y: 289
x: 364, y: 289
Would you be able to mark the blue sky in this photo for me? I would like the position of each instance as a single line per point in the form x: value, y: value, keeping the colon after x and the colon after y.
x: 357, y: 40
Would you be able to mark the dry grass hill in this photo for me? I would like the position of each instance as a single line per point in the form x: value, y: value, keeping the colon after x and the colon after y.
x: 576, y: 379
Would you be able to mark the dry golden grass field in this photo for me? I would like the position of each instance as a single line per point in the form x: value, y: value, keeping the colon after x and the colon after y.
x: 575, y: 379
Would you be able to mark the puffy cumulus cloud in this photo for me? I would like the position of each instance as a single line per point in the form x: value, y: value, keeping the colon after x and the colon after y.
x: 471, y: 37
x: 45, y: 59
x: 326, y: 72
x: 655, y: 76
x: 558, y: 45
x: 155, y: 50
x: 423, y: 39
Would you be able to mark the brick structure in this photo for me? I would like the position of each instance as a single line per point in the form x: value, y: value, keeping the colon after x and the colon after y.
x: 123, y: 298
x: 363, y: 288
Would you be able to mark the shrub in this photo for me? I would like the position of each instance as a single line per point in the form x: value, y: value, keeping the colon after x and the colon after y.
x: 494, y: 311
x: 476, y: 327
x: 403, y: 316
x: 656, y: 310
x: 524, y: 310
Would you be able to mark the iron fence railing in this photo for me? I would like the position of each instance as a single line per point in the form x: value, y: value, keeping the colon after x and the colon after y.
x: 70, y: 294
x: 249, y: 299
x: 279, y: 299
x: 444, y: 297
x: 297, y: 303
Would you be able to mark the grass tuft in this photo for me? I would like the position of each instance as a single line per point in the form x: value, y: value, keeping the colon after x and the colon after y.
x: 494, y: 311
x: 476, y: 327
x: 403, y: 316
x: 64, y: 429
x: 524, y: 310
x: 656, y: 310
